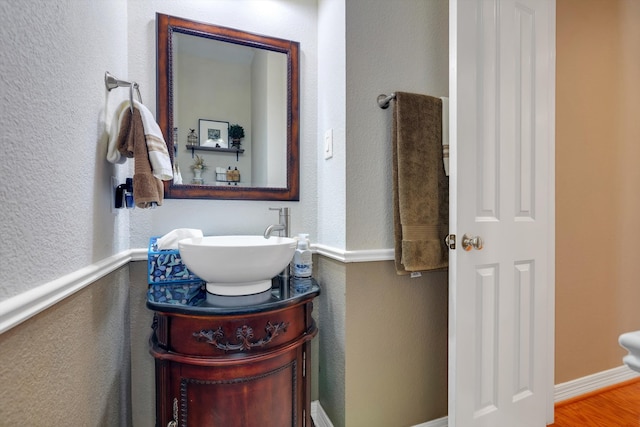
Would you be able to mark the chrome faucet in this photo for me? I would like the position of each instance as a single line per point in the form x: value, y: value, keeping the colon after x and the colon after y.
x: 283, y: 227
x: 283, y: 231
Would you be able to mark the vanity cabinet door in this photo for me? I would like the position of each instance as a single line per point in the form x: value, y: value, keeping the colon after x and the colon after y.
x: 261, y: 394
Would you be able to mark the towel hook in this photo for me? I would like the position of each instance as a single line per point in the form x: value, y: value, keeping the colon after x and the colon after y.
x: 111, y: 82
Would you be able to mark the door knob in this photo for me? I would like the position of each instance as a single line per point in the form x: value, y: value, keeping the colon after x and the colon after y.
x: 469, y: 242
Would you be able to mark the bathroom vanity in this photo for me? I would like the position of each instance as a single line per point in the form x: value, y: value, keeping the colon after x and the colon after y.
x: 222, y: 363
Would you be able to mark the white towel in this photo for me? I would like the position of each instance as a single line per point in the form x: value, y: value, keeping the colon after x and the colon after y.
x: 445, y: 134
x: 113, y: 155
x: 158, y: 153
x: 157, y: 147
x: 177, y: 176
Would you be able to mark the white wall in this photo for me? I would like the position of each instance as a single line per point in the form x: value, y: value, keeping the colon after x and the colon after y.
x: 331, y: 207
x: 55, y: 196
x: 294, y: 20
x: 277, y: 135
x: 391, y: 46
x: 331, y: 116
x: 269, y: 119
x: 260, y: 116
x: 366, y: 48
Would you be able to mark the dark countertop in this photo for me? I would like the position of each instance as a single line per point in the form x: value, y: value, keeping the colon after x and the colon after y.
x: 278, y: 297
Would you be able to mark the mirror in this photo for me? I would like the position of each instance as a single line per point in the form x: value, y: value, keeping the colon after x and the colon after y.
x: 214, y: 81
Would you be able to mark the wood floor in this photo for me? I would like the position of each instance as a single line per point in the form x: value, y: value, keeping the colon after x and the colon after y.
x: 616, y: 406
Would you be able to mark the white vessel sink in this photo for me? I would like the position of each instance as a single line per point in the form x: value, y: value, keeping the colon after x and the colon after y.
x: 237, y: 265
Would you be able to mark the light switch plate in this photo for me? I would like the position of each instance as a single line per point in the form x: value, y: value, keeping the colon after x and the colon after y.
x: 328, y: 144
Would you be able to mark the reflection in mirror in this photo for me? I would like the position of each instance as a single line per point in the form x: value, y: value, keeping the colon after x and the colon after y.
x: 217, y: 83
x: 213, y: 81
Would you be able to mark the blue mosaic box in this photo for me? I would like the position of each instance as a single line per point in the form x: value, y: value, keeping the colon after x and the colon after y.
x: 166, y: 266
x: 192, y: 293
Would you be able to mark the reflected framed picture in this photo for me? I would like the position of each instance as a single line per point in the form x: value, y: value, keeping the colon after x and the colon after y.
x: 214, y: 133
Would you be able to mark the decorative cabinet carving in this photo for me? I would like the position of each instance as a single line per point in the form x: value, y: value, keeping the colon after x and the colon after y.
x: 234, y: 367
x: 244, y: 334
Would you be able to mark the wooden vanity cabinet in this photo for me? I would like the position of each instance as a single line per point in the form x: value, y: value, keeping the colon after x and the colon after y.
x: 229, y: 368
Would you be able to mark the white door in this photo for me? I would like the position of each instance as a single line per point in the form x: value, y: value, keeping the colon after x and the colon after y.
x: 501, y: 298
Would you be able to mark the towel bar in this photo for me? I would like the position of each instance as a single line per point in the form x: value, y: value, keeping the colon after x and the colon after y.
x: 384, y: 100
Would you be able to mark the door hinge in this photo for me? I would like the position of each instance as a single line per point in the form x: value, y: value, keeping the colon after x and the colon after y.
x: 450, y: 241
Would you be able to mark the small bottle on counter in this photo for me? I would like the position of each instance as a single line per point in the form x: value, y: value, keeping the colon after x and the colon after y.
x: 302, y: 261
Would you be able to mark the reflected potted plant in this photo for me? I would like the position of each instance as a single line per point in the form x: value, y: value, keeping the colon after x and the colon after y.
x: 236, y: 133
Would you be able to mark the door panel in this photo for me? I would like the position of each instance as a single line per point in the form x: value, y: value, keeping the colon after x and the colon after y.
x: 501, y: 188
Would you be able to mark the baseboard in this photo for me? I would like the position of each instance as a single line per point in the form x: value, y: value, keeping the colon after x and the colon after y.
x: 440, y: 422
x: 590, y: 383
x: 320, y: 418
x: 562, y: 392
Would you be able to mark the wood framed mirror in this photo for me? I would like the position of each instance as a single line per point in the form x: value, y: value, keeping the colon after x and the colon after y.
x: 210, y: 78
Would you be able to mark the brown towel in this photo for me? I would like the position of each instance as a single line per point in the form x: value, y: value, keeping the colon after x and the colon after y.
x: 126, y: 145
x: 420, y: 186
x: 147, y: 189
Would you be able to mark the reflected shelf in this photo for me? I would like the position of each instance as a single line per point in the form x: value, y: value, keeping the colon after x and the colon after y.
x: 219, y: 149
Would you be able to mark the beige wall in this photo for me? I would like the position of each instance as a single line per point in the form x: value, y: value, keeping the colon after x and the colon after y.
x: 143, y: 381
x: 383, y: 344
x: 396, y: 351
x: 70, y: 364
x: 598, y: 183
x: 331, y: 311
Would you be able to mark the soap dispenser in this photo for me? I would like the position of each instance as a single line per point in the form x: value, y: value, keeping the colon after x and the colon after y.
x: 302, y: 262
